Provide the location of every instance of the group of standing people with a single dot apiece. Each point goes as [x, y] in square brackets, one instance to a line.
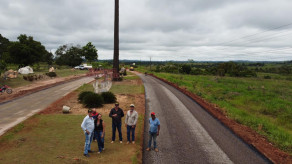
[94, 127]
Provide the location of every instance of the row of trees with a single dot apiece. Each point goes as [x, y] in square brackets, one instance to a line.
[26, 51]
[221, 69]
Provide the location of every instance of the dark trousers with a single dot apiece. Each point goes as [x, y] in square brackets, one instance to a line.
[129, 130]
[152, 135]
[119, 127]
[100, 140]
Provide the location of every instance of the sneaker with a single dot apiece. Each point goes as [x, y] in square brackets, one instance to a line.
[148, 149]
[98, 152]
[89, 151]
[86, 155]
[112, 141]
[103, 148]
[128, 142]
[156, 149]
[121, 141]
[133, 142]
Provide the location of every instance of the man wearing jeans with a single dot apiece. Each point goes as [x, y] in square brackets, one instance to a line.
[88, 127]
[116, 114]
[131, 121]
[153, 131]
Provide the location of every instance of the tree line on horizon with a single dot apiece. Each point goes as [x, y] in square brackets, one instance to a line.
[26, 52]
[232, 69]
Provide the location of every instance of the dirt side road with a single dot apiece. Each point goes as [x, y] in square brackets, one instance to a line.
[17, 110]
[188, 133]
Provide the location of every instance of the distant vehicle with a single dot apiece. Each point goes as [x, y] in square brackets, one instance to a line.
[83, 67]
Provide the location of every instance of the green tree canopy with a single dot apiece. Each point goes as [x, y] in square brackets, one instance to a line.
[27, 51]
[4, 44]
[90, 52]
[69, 55]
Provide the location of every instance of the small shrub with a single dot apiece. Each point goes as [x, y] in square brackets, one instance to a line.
[108, 97]
[289, 78]
[30, 77]
[51, 74]
[93, 100]
[83, 94]
[25, 77]
[267, 77]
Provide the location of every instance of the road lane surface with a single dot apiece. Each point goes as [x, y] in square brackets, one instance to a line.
[188, 133]
[19, 109]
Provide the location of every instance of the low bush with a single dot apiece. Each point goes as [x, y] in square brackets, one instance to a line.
[83, 94]
[267, 77]
[93, 100]
[51, 74]
[108, 97]
[32, 77]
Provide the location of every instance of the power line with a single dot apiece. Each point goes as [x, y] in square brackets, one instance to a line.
[247, 36]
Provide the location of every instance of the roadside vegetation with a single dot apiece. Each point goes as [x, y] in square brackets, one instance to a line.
[57, 138]
[39, 70]
[261, 100]
[26, 51]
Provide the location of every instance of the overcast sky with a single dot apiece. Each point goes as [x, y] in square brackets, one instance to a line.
[202, 30]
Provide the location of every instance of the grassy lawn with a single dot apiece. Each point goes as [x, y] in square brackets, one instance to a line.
[129, 88]
[58, 138]
[130, 76]
[17, 82]
[265, 105]
[69, 72]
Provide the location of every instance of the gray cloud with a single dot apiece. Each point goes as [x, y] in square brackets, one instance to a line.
[163, 30]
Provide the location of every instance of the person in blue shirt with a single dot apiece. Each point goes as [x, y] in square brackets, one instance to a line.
[153, 131]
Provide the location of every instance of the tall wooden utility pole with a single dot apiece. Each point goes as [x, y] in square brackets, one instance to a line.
[116, 38]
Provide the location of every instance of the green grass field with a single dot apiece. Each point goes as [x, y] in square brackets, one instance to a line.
[58, 138]
[265, 105]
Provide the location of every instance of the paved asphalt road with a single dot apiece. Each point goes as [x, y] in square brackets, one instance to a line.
[188, 133]
[15, 111]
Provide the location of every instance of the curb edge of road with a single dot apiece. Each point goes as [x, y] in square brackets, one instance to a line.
[217, 113]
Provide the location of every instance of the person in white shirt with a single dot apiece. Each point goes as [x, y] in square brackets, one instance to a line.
[130, 122]
[88, 127]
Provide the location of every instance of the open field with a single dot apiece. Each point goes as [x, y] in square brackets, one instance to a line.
[53, 137]
[265, 105]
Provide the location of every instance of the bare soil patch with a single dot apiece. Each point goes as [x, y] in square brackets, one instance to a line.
[247, 134]
[37, 86]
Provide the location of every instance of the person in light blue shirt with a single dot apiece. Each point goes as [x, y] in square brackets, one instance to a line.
[88, 127]
[153, 131]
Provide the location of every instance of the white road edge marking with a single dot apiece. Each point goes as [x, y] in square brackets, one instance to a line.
[213, 151]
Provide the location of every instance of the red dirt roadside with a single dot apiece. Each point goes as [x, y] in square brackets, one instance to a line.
[37, 86]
